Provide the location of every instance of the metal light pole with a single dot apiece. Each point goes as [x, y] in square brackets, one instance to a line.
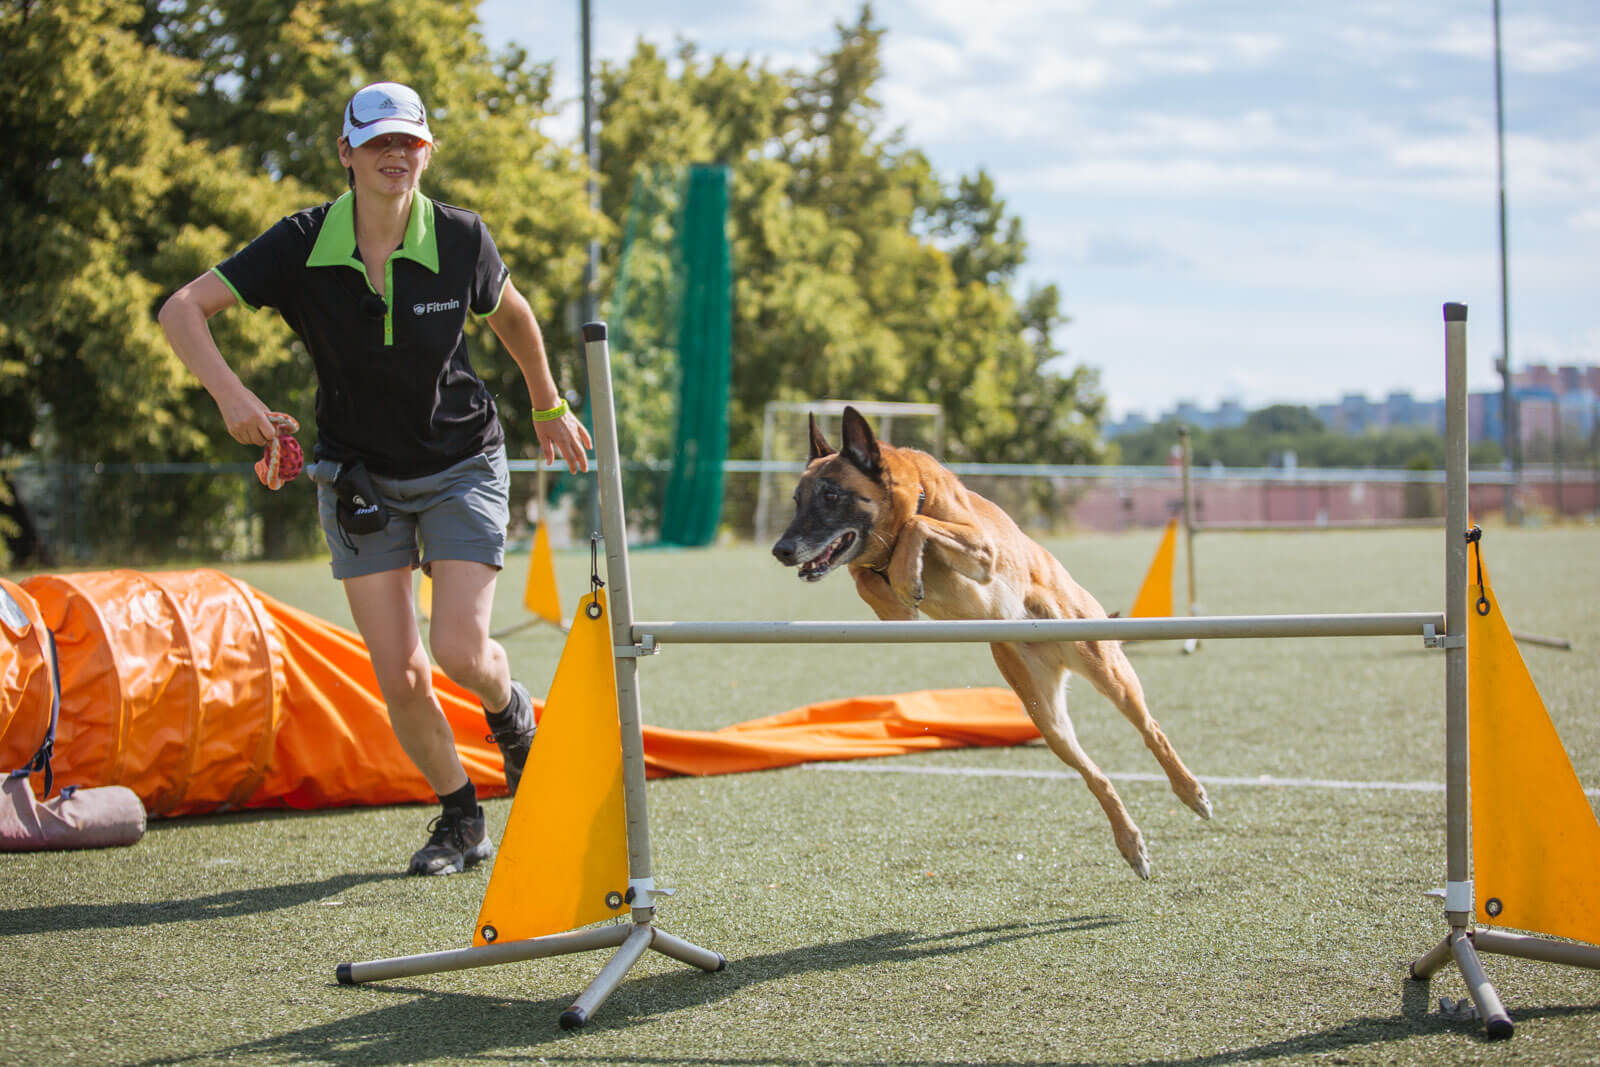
[588, 306]
[591, 156]
[1512, 435]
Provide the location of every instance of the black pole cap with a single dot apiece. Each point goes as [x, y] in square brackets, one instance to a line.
[344, 975]
[1455, 313]
[594, 331]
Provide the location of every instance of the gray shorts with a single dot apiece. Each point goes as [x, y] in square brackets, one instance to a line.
[459, 513]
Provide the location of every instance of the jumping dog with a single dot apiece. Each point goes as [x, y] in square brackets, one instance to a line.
[915, 538]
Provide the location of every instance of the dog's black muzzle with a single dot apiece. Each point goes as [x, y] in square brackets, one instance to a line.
[784, 550]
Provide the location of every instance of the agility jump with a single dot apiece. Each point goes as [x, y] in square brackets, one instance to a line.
[539, 841]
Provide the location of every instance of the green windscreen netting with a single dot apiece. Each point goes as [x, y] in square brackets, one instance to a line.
[671, 324]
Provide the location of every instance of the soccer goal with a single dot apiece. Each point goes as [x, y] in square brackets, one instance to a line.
[786, 442]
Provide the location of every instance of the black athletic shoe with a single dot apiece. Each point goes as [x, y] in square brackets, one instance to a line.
[515, 738]
[455, 842]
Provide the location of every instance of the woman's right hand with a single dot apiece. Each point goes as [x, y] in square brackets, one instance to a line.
[246, 417]
[184, 317]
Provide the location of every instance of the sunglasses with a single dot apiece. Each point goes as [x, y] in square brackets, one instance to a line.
[404, 141]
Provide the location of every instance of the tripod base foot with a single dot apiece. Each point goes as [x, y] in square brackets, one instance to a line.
[631, 941]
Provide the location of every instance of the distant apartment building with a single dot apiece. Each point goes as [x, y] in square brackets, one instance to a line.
[1545, 397]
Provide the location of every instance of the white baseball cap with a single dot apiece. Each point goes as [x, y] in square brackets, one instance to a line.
[385, 107]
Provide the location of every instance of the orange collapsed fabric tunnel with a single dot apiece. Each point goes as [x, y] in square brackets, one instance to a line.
[202, 694]
[852, 728]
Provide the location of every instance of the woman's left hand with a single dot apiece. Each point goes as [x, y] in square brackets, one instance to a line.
[568, 437]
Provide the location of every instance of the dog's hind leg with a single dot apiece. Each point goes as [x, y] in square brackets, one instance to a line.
[1106, 666]
[1041, 683]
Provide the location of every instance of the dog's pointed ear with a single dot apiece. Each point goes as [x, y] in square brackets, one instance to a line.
[859, 445]
[819, 444]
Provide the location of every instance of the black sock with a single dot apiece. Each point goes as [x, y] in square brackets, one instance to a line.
[500, 719]
[463, 801]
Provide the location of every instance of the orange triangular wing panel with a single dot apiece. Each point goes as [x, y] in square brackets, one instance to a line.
[1535, 839]
[563, 860]
[540, 595]
[1155, 596]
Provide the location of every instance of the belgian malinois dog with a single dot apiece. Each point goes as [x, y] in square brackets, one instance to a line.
[916, 539]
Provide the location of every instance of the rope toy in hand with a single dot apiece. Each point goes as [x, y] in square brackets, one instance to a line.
[281, 459]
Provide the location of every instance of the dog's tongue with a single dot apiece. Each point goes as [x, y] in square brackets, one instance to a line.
[822, 562]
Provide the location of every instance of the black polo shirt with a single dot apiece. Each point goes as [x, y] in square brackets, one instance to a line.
[395, 385]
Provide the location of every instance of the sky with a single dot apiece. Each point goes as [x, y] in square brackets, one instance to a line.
[1252, 200]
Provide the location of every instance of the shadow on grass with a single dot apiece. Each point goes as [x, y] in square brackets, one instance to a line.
[1371, 1031]
[249, 816]
[423, 1024]
[55, 918]
[429, 1024]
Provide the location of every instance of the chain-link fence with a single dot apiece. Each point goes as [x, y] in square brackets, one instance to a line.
[136, 514]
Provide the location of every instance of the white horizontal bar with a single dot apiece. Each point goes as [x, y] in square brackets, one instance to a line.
[1392, 624]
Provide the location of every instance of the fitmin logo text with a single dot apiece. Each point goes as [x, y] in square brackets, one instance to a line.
[424, 309]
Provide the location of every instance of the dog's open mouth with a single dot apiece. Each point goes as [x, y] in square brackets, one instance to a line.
[814, 568]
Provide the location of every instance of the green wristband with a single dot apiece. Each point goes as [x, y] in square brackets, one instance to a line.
[553, 414]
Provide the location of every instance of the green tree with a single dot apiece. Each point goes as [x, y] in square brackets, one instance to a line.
[1267, 435]
[1283, 418]
[858, 273]
[106, 207]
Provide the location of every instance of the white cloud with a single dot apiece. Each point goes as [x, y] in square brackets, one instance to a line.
[1261, 199]
[1529, 43]
[1269, 355]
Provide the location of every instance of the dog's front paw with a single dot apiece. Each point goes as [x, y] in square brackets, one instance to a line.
[911, 597]
[907, 586]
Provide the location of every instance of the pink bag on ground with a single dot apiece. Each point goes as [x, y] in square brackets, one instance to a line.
[101, 817]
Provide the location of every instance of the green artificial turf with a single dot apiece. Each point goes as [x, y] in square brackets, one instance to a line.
[883, 911]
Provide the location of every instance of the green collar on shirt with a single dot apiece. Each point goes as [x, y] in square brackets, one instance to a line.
[336, 241]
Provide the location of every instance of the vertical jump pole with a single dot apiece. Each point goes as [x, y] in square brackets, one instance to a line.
[1458, 906]
[614, 529]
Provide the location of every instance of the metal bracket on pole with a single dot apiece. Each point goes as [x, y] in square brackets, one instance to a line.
[646, 647]
[642, 892]
[1431, 638]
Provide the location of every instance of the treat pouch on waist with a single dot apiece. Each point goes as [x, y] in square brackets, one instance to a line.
[361, 509]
